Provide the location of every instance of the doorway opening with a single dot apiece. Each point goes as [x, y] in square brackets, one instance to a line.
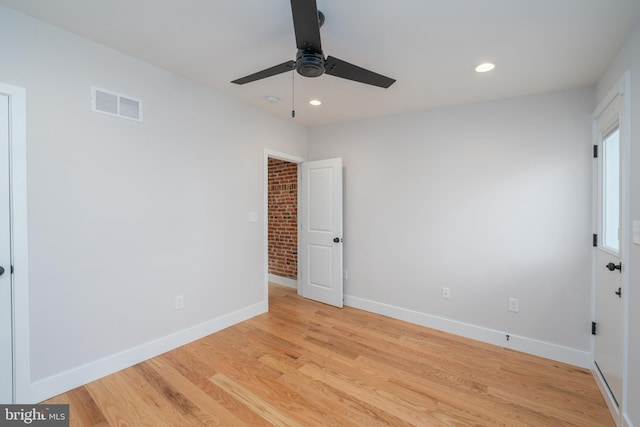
[275, 156]
[282, 222]
[317, 245]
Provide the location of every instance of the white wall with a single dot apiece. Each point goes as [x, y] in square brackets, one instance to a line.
[125, 216]
[491, 200]
[628, 58]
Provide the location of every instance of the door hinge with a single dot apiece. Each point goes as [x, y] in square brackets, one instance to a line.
[595, 151]
[595, 240]
[593, 328]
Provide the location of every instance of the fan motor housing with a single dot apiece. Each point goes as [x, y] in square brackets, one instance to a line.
[309, 64]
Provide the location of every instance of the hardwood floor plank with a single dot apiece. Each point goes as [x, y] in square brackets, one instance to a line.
[190, 397]
[83, 408]
[321, 399]
[192, 363]
[83, 411]
[361, 391]
[308, 364]
[467, 402]
[252, 400]
[122, 404]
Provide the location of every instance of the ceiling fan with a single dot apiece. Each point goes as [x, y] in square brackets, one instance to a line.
[310, 61]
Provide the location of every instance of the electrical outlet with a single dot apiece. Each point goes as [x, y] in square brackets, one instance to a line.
[446, 293]
[179, 302]
[514, 305]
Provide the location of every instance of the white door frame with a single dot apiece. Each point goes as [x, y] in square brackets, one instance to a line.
[19, 249]
[620, 89]
[289, 158]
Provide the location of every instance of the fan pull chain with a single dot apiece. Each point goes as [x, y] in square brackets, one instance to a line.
[293, 95]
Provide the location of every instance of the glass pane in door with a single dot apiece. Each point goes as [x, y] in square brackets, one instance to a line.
[611, 190]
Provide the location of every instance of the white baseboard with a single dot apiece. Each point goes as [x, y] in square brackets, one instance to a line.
[526, 345]
[65, 381]
[284, 281]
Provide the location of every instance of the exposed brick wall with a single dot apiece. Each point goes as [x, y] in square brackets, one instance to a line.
[283, 218]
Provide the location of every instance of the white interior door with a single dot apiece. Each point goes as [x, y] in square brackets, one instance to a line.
[6, 329]
[609, 307]
[320, 248]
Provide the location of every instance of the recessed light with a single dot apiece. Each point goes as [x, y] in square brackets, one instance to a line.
[485, 66]
[315, 102]
[272, 99]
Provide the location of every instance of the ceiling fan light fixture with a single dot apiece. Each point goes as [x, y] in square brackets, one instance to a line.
[315, 102]
[485, 67]
[309, 64]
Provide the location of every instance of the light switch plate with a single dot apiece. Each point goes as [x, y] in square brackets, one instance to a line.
[514, 305]
[253, 216]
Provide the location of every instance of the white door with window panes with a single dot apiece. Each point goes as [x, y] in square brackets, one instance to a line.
[609, 242]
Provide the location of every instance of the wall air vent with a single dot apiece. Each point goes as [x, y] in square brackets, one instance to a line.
[107, 102]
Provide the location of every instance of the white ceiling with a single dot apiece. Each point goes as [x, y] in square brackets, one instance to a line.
[429, 46]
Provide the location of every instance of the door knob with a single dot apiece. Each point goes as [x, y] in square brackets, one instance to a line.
[1, 270]
[611, 266]
[336, 240]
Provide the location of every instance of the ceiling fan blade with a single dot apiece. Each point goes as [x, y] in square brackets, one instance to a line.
[278, 69]
[306, 25]
[339, 68]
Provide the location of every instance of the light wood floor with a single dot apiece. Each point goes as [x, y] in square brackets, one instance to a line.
[308, 364]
